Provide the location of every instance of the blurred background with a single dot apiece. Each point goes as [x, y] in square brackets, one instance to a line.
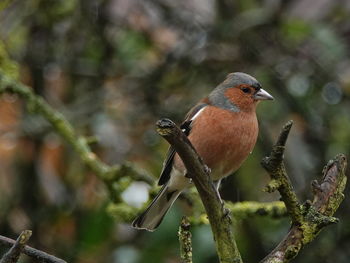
[114, 67]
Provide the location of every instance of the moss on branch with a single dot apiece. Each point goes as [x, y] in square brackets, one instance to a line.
[185, 241]
[280, 181]
[242, 210]
[311, 217]
[247, 209]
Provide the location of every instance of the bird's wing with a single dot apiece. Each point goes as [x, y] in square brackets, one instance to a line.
[186, 128]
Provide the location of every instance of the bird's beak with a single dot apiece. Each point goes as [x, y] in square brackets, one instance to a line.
[262, 95]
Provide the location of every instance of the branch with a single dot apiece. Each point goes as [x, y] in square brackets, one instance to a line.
[241, 210]
[248, 209]
[280, 181]
[80, 144]
[185, 241]
[219, 218]
[12, 256]
[29, 251]
[309, 219]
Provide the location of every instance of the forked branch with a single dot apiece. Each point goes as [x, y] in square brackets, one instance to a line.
[311, 217]
[20, 247]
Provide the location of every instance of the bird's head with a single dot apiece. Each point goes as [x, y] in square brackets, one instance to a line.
[239, 92]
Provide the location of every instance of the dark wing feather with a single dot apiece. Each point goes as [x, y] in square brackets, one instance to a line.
[167, 166]
[186, 128]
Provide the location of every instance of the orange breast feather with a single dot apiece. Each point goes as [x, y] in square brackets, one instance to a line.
[223, 139]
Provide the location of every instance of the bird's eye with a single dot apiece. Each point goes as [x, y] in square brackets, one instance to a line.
[246, 90]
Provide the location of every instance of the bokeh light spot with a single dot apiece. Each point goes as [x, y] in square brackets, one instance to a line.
[136, 194]
[298, 85]
[332, 93]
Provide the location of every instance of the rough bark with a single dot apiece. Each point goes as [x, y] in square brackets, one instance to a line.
[311, 217]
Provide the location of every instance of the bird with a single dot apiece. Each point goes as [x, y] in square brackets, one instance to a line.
[223, 128]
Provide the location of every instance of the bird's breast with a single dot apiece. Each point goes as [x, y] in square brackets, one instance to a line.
[224, 139]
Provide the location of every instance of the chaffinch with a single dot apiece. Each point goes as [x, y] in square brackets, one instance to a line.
[223, 128]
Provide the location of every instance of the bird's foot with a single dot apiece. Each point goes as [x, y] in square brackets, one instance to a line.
[227, 214]
[207, 169]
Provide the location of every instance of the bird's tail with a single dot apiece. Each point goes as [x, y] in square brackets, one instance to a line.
[151, 218]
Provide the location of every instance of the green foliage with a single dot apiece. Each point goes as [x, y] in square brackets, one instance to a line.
[122, 212]
[132, 48]
[94, 227]
[295, 31]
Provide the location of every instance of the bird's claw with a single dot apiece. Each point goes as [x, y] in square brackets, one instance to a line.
[227, 214]
[207, 170]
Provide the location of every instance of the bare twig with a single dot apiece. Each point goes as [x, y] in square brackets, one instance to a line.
[15, 251]
[185, 241]
[32, 252]
[219, 217]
